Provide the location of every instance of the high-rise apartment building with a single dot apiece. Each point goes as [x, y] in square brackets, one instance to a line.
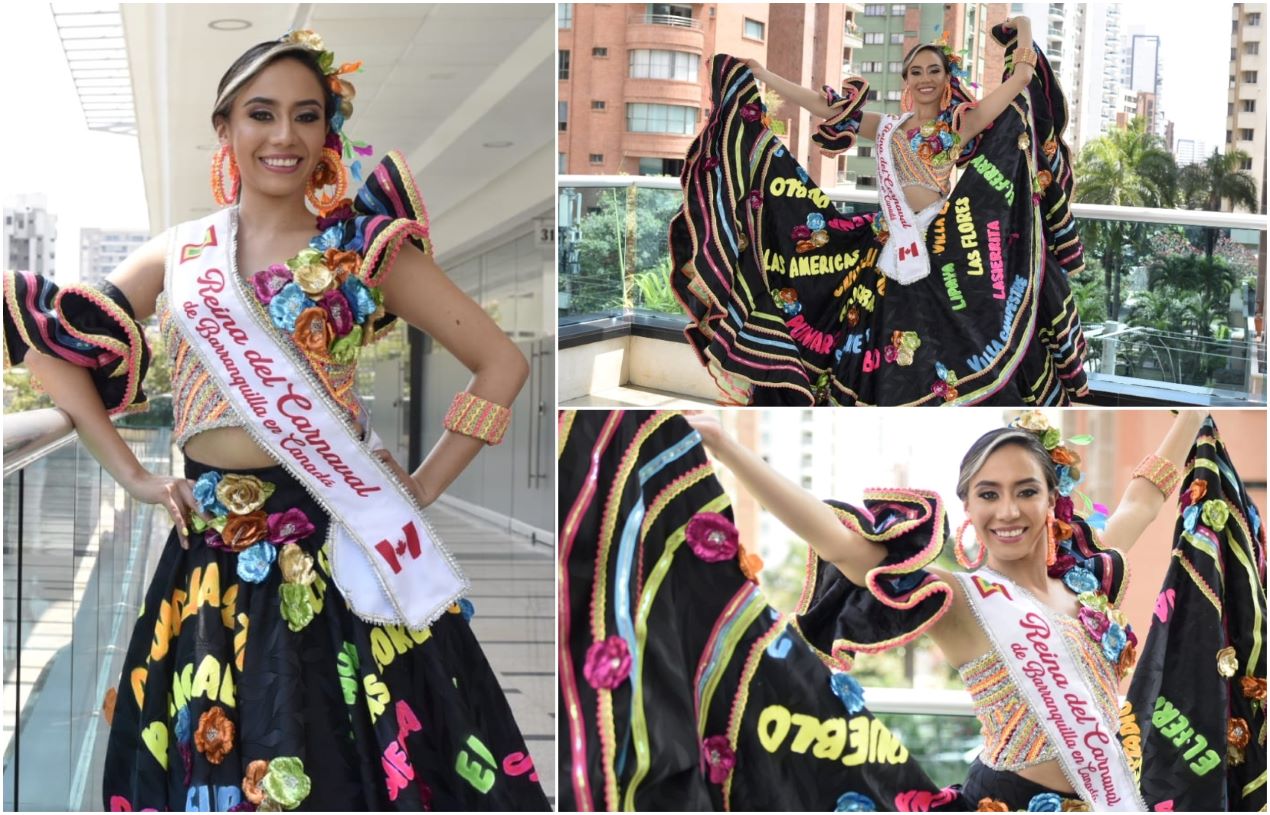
[1142, 70]
[1246, 98]
[30, 235]
[1100, 93]
[101, 250]
[1059, 29]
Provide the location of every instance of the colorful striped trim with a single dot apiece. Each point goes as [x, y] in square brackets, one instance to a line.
[481, 419]
[742, 698]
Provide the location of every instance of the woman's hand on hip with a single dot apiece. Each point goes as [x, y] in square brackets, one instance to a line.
[407, 480]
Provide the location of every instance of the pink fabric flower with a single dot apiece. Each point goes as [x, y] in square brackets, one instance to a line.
[1063, 508]
[1095, 622]
[336, 305]
[756, 199]
[751, 112]
[269, 282]
[290, 526]
[890, 353]
[940, 388]
[712, 537]
[608, 663]
[1062, 564]
[710, 163]
[801, 232]
[213, 540]
[719, 758]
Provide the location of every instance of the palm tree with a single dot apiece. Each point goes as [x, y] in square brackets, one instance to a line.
[1204, 186]
[1128, 168]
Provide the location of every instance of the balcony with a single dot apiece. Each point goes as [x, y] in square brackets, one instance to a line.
[620, 324]
[852, 35]
[665, 31]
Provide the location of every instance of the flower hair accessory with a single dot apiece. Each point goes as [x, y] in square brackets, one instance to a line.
[342, 89]
[1067, 463]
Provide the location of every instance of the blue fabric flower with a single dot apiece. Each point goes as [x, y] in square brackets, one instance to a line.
[1045, 802]
[802, 175]
[359, 297]
[337, 122]
[1113, 641]
[1065, 481]
[792, 309]
[332, 238]
[286, 306]
[1080, 580]
[815, 221]
[1189, 517]
[849, 691]
[855, 802]
[182, 728]
[254, 562]
[205, 493]
[466, 608]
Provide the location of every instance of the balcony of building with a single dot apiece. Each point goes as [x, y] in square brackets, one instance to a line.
[852, 34]
[621, 340]
[647, 29]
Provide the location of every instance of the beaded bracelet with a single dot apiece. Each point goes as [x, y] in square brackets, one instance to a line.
[476, 417]
[1161, 472]
[1025, 56]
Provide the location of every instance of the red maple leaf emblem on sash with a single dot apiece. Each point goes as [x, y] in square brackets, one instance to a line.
[408, 544]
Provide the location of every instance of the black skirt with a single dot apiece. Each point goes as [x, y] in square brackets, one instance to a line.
[244, 687]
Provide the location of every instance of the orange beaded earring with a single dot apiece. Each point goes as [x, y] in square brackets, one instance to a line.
[218, 177]
[906, 99]
[329, 170]
[946, 99]
[959, 550]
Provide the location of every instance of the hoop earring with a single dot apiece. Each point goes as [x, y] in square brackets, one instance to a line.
[906, 99]
[946, 99]
[1051, 545]
[218, 176]
[959, 550]
[329, 170]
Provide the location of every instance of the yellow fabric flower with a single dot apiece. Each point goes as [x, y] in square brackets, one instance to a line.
[243, 494]
[307, 38]
[315, 278]
[1033, 420]
[297, 567]
[1227, 662]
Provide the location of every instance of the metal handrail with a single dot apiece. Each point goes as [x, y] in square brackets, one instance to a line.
[664, 19]
[1093, 212]
[33, 434]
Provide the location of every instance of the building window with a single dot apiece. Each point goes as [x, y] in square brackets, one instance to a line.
[1249, 105]
[753, 29]
[1230, 108]
[564, 15]
[1250, 77]
[874, 37]
[1253, 18]
[669, 14]
[897, 9]
[1245, 134]
[679, 120]
[895, 67]
[562, 115]
[661, 166]
[1252, 48]
[875, 10]
[1245, 164]
[595, 158]
[1228, 139]
[562, 163]
[677, 65]
[897, 38]
[864, 152]
[598, 104]
[600, 53]
[564, 65]
[871, 96]
[866, 181]
[893, 96]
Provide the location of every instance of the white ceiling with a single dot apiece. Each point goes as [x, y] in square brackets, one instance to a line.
[439, 80]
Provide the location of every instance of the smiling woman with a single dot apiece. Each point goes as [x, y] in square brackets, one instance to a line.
[305, 640]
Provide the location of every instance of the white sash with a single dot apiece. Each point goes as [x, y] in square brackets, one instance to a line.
[904, 258]
[1030, 643]
[385, 558]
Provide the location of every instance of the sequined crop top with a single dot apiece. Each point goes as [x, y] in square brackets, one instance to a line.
[912, 171]
[1013, 738]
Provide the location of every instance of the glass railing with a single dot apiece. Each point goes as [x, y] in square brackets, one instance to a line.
[76, 556]
[1168, 297]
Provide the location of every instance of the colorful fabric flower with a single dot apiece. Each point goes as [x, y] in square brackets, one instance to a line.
[712, 537]
[314, 332]
[1064, 455]
[750, 112]
[331, 223]
[1113, 642]
[855, 802]
[182, 727]
[242, 531]
[297, 609]
[289, 526]
[1033, 420]
[243, 493]
[719, 758]
[108, 705]
[710, 162]
[992, 805]
[1215, 514]
[1227, 662]
[1253, 687]
[1064, 509]
[286, 305]
[815, 221]
[213, 540]
[343, 264]
[751, 565]
[847, 689]
[359, 299]
[297, 567]
[467, 609]
[1075, 805]
[269, 282]
[1190, 516]
[1237, 733]
[1195, 492]
[801, 232]
[214, 737]
[344, 350]
[286, 782]
[1095, 600]
[1128, 656]
[1061, 564]
[311, 273]
[340, 311]
[608, 663]
[890, 352]
[254, 562]
[205, 493]
[1080, 579]
[1045, 802]
[255, 773]
[756, 199]
[1051, 438]
[1095, 622]
[1067, 480]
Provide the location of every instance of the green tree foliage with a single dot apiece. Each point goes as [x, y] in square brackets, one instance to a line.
[1206, 186]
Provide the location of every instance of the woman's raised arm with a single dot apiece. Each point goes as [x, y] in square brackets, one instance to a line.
[811, 100]
[977, 119]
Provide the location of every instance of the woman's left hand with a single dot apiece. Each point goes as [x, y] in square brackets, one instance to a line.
[407, 480]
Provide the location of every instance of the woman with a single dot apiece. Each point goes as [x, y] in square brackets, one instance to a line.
[948, 296]
[303, 643]
[677, 647]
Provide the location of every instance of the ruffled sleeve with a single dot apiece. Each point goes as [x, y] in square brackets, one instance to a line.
[93, 328]
[838, 133]
[959, 110]
[387, 213]
[1106, 564]
[901, 599]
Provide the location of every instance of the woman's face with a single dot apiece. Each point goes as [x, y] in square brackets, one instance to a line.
[1009, 504]
[276, 129]
[926, 77]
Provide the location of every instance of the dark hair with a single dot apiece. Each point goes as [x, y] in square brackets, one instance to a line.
[237, 75]
[993, 440]
[911, 55]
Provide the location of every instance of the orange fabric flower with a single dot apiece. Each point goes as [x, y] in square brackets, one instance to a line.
[251, 781]
[1237, 734]
[1197, 490]
[1063, 456]
[342, 263]
[1043, 178]
[1050, 147]
[992, 805]
[314, 332]
[108, 706]
[1128, 656]
[242, 531]
[1253, 687]
[1062, 530]
[751, 565]
[215, 735]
